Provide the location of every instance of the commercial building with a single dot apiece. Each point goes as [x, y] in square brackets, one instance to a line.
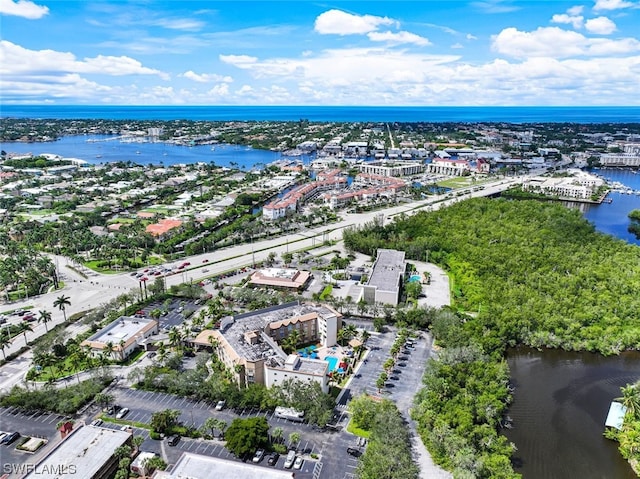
[280, 278]
[629, 156]
[441, 166]
[121, 337]
[248, 343]
[384, 168]
[88, 452]
[196, 466]
[579, 186]
[386, 278]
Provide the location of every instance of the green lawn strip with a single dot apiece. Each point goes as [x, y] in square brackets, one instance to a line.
[353, 429]
[124, 422]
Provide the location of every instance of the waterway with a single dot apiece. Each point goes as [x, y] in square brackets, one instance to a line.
[560, 404]
[562, 398]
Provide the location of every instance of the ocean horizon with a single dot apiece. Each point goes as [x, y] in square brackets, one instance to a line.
[400, 114]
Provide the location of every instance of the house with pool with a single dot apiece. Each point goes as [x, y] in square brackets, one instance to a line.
[249, 344]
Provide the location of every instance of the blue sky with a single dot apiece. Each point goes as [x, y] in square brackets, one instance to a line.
[414, 53]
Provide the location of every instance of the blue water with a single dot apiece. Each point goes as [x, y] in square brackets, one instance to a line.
[333, 363]
[415, 278]
[146, 153]
[513, 114]
[612, 218]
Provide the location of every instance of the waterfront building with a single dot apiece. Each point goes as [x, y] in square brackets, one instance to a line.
[579, 186]
[630, 156]
[88, 452]
[122, 337]
[289, 203]
[384, 168]
[248, 343]
[385, 282]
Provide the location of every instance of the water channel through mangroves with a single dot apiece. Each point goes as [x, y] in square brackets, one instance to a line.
[561, 400]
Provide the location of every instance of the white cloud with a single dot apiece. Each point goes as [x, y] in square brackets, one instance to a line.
[338, 22]
[575, 21]
[600, 26]
[180, 23]
[221, 89]
[457, 46]
[471, 37]
[613, 4]
[398, 38]
[575, 11]
[241, 61]
[207, 77]
[23, 8]
[16, 60]
[495, 6]
[554, 42]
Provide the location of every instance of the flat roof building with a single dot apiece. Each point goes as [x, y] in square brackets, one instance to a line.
[386, 278]
[196, 466]
[88, 452]
[123, 336]
[280, 278]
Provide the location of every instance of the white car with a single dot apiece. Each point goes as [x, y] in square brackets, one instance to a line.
[220, 405]
[122, 413]
[299, 462]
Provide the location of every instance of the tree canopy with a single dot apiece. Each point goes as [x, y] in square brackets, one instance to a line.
[244, 436]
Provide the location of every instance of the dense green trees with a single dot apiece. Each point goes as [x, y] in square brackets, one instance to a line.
[388, 455]
[244, 436]
[521, 272]
[537, 273]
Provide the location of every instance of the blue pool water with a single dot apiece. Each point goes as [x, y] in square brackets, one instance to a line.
[415, 278]
[333, 362]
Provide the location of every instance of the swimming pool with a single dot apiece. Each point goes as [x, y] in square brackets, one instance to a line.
[415, 278]
[333, 363]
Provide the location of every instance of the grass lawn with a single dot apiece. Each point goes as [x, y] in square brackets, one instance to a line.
[353, 429]
[457, 182]
[124, 221]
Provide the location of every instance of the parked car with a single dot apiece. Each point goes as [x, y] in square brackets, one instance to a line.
[299, 462]
[257, 457]
[273, 458]
[291, 457]
[97, 422]
[354, 451]
[122, 413]
[220, 405]
[9, 438]
[173, 440]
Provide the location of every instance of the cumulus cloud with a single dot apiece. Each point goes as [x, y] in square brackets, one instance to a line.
[207, 77]
[554, 42]
[600, 26]
[23, 8]
[238, 60]
[575, 20]
[16, 60]
[338, 22]
[613, 4]
[398, 38]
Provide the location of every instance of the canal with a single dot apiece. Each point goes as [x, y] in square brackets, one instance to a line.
[561, 400]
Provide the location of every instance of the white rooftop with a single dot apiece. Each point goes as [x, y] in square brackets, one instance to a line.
[195, 466]
[81, 454]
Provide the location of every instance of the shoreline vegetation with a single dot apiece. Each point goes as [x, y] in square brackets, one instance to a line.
[532, 273]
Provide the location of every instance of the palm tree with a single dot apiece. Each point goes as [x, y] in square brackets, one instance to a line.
[630, 399]
[277, 434]
[23, 328]
[364, 335]
[108, 350]
[294, 438]
[5, 341]
[61, 303]
[45, 317]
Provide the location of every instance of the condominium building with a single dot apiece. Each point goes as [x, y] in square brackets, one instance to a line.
[121, 337]
[248, 343]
